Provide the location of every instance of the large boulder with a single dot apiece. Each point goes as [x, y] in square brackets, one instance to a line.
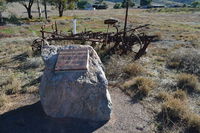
[75, 93]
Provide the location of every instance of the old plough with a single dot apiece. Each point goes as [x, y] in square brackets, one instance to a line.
[119, 42]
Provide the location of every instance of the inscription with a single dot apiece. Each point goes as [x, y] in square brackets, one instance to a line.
[72, 59]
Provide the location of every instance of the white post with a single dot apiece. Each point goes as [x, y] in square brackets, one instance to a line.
[74, 26]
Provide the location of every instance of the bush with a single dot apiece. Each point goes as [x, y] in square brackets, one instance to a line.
[14, 20]
[114, 67]
[117, 5]
[188, 82]
[133, 69]
[185, 60]
[196, 4]
[145, 2]
[82, 4]
[2, 100]
[193, 121]
[180, 94]
[32, 63]
[131, 3]
[101, 6]
[139, 86]
[12, 85]
[174, 110]
[177, 111]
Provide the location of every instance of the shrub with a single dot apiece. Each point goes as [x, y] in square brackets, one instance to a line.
[193, 121]
[173, 111]
[196, 4]
[133, 69]
[2, 100]
[12, 85]
[131, 3]
[139, 86]
[14, 20]
[185, 60]
[188, 82]
[114, 67]
[32, 63]
[180, 94]
[163, 96]
[117, 5]
[82, 4]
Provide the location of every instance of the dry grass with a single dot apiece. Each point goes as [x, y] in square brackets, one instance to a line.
[133, 69]
[11, 86]
[178, 94]
[139, 86]
[175, 110]
[185, 60]
[32, 63]
[2, 100]
[193, 121]
[114, 67]
[188, 82]
[163, 96]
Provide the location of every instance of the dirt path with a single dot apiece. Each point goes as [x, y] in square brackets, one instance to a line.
[128, 117]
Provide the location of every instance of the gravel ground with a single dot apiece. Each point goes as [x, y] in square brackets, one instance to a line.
[128, 117]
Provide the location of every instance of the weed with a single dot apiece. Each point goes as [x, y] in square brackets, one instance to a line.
[193, 121]
[139, 87]
[12, 85]
[2, 100]
[175, 110]
[188, 82]
[180, 94]
[133, 69]
[163, 96]
[32, 63]
[185, 60]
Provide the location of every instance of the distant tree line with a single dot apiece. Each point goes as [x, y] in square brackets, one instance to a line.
[61, 5]
[196, 4]
[131, 3]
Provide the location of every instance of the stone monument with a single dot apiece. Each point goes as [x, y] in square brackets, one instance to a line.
[74, 84]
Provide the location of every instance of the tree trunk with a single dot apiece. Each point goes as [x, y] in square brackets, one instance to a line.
[60, 13]
[28, 8]
[45, 9]
[1, 18]
[61, 9]
[39, 9]
[29, 13]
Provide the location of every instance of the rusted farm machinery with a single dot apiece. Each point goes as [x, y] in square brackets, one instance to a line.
[119, 42]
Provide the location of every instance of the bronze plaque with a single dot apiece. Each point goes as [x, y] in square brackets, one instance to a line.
[72, 59]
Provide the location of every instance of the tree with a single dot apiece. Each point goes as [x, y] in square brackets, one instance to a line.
[196, 4]
[45, 8]
[131, 3]
[117, 5]
[27, 4]
[145, 2]
[2, 8]
[39, 9]
[61, 5]
[82, 4]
